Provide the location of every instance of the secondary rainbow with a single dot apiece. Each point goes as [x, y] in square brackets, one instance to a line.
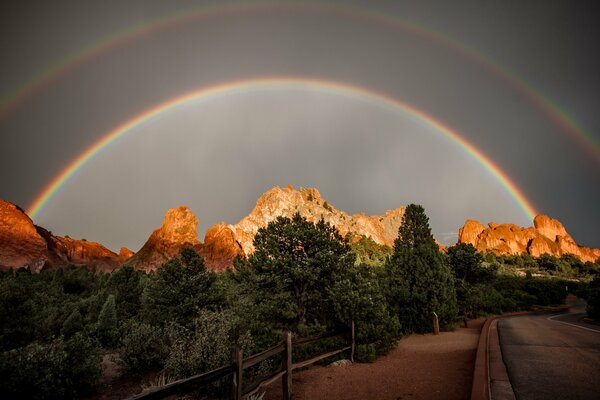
[551, 109]
[280, 82]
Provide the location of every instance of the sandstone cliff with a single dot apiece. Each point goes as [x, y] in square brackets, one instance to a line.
[223, 243]
[308, 202]
[178, 230]
[23, 244]
[546, 236]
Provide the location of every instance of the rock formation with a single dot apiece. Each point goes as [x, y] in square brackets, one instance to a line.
[23, 244]
[223, 243]
[309, 203]
[220, 248]
[178, 230]
[546, 236]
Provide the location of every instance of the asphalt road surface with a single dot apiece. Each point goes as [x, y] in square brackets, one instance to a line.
[552, 356]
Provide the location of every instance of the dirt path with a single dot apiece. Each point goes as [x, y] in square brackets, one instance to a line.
[420, 367]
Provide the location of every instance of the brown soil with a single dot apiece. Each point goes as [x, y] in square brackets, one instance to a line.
[420, 367]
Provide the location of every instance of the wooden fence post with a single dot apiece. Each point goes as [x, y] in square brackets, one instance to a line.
[436, 325]
[353, 341]
[236, 387]
[287, 365]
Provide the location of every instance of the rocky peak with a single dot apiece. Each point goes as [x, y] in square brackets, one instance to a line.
[470, 231]
[550, 227]
[21, 244]
[179, 229]
[179, 226]
[311, 205]
[546, 236]
[220, 248]
[125, 254]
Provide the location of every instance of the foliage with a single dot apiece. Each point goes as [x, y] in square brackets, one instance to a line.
[466, 263]
[420, 282]
[593, 299]
[50, 371]
[370, 253]
[207, 346]
[127, 284]
[178, 290]
[294, 263]
[143, 347]
[107, 329]
[360, 297]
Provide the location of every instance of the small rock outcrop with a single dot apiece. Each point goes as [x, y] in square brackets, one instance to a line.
[547, 235]
[179, 229]
[20, 243]
[220, 248]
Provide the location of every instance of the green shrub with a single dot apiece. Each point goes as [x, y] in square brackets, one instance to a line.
[207, 347]
[143, 347]
[50, 371]
[107, 329]
[366, 353]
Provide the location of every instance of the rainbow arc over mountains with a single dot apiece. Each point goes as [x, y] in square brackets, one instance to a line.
[235, 87]
[46, 76]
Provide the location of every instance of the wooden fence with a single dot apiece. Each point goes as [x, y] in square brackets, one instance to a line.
[238, 364]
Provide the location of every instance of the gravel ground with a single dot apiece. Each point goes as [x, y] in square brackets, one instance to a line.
[420, 367]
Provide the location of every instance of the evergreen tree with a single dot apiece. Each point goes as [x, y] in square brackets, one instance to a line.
[107, 329]
[72, 325]
[127, 284]
[420, 281]
[178, 291]
[465, 261]
[294, 265]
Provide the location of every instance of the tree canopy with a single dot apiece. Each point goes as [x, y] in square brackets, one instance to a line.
[421, 282]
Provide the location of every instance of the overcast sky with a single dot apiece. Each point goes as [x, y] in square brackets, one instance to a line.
[217, 155]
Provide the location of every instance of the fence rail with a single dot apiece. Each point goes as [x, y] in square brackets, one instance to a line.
[239, 364]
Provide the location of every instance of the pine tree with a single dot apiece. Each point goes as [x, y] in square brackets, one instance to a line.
[178, 291]
[107, 329]
[420, 281]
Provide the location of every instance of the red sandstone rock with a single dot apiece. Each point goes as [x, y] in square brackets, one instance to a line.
[309, 203]
[179, 230]
[20, 243]
[220, 248]
[125, 254]
[470, 232]
[547, 236]
[23, 244]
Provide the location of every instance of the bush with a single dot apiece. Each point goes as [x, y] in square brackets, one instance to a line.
[178, 290]
[107, 323]
[50, 371]
[207, 347]
[593, 299]
[143, 347]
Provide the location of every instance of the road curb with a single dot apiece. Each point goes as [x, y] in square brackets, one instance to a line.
[481, 374]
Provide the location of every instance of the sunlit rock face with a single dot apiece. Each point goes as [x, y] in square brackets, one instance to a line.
[125, 254]
[220, 248]
[309, 203]
[546, 236]
[223, 243]
[20, 243]
[25, 245]
[178, 230]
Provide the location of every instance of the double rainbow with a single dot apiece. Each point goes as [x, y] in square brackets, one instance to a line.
[551, 109]
[231, 88]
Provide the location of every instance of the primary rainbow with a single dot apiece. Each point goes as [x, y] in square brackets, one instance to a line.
[280, 82]
[551, 109]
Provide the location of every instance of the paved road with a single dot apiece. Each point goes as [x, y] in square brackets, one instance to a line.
[552, 356]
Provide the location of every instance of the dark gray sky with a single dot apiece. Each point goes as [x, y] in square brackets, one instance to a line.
[218, 155]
